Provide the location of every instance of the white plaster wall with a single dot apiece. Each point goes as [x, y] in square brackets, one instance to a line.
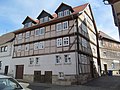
[6, 57]
[46, 63]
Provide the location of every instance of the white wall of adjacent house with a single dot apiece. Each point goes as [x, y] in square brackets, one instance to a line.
[53, 62]
[5, 57]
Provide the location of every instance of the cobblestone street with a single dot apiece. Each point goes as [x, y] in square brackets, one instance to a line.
[102, 83]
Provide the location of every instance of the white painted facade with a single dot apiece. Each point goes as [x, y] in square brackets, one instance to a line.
[46, 63]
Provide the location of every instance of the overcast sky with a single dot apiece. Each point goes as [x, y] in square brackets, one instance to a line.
[13, 13]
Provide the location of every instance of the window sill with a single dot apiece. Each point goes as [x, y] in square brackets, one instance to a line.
[58, 63]
[67, 63]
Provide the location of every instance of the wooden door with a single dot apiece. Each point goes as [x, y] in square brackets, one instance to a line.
[37, 76]
[48, 76]
[19, 71]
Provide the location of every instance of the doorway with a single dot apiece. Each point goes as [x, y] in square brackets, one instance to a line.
[6, 70]
[19, 71]
[105, 68]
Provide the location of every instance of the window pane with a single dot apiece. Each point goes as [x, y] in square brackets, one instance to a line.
[65, 41]
[65, 25]
[59, 42]
[46, 19]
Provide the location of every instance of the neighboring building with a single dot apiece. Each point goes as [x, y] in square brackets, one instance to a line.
[61, 48]
[109, 53]
[115, 4]
[6, 49]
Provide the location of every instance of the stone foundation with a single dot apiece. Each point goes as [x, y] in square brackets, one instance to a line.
[68, 79]
[28, 78]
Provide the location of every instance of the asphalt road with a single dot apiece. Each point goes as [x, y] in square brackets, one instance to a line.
[102, 83]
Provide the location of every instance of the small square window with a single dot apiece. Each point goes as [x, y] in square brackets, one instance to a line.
[31, 61]
[37, 60]
[20, 36]
[41, 20]
[61, 75]
[58, 59]
[27, 34]
[46, 19]
[36, 46]
[66, 12]
[65, 25]
[67, 59]
[42, 31]
[37, 32]
[59, 42]
[41, 45]
[27, 47]
[60, 14]
[65, 41]
[59, 27]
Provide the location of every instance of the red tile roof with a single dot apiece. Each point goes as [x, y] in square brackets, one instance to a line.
[76, 10]
[79, 8]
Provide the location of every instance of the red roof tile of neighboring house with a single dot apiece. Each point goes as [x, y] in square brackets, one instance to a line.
[79, 8]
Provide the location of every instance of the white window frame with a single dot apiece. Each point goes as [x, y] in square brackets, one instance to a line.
[37, 32]
[59, 42]
[27, 34]
[19, 48]
[67, 59]
[59, 27]
[41, 45]
[58, 59]
[42, 31]
[31, 61]
[65, 39]
[60, 14]
[41, 20]
[37, 61]
[27, 47]
[65, 25]
[36, 46]
[20, 36]
[61, 75]
[84, 28]
[66, 12]
[46, 19]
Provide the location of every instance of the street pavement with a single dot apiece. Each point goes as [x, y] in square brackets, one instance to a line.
[101, 83]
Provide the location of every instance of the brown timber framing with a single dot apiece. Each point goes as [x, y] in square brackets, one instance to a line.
[97, 36]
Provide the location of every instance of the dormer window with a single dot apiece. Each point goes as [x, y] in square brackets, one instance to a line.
[41, 20]
[28, 22]
[60, 14]
[44, 16]
[46, 19]
[66, 12]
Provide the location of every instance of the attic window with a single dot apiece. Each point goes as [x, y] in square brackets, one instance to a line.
[60, 14]
[28, 24]
[46, 19]
[66, 12]
[41, 20]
